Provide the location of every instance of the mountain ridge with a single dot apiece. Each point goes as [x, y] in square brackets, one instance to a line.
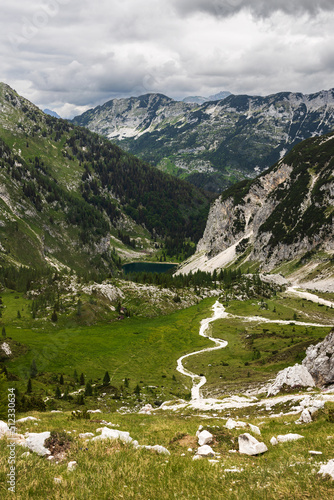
[216, 143]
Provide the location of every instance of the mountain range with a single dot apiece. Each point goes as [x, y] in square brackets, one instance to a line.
[212, 144]
[71, 198]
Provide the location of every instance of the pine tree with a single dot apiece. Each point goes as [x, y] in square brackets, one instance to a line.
[82, 379]
[106, 379]
[88, 390]
[75, 376]
[61, 379]
[58, 392]
[29, 387]
[137, 390]
[33, 369]
[54, 317]
[18, 315]
[4, 332]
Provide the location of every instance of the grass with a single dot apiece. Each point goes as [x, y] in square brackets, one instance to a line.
[110, 470]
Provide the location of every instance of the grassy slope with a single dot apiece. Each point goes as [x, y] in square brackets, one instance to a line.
[109, 470]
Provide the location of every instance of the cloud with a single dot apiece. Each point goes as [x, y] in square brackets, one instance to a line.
[259, 8]
[68, 55]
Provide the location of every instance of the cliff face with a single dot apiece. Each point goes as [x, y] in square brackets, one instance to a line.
[280, 216]
[213, 143]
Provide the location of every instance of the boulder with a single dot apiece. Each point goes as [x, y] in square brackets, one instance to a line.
[248, 445]
[107, 433]
[204, 437]
[205, 451]
[255, 429]
[146, 410]
[27, 419]
[35, 442]
[319, 361]
[273, 441]
[305, 417]
[327, 469]
[288, 437]
[293, 376]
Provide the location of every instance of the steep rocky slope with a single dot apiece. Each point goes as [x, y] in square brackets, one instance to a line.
[282, 215]
[213, 143]
[64, 192]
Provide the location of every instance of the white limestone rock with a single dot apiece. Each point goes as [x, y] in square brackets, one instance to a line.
[293, 376]
[305, 417]
[94, 411]
[86, 435]
[71, 466]
[255, 429]
[114, 434]
[327, 469]
[27, 419]
[159, 449]
[248, 445]
[205, 451]
[4, 429]
[35, 442]
[288, 437]
[273, 441]
[319, 361]
[205, 437]
[146, 410]
[232, 424]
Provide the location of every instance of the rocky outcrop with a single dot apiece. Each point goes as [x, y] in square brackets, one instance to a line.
[280, 216]
[319, 361]
[293, 376]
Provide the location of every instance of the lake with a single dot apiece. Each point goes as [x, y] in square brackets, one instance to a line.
[148, 267]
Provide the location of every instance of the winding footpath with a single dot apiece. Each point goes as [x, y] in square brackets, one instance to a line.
[197, 400]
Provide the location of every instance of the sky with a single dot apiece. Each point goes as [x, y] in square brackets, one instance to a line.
[72, 55]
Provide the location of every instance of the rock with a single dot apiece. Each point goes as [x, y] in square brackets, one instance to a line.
[273, 441]
[4, 429]
[232, 424]
[159, 449]
[72, 465]
[199, 430]
[312, 452]
[27, 419]
[25, 454]
[35, 442]
[107, 433]
[205, 451]
[86, 435]
[146, 410]
[305, 417]
[204, 437]
[94, 411]
[248, 445]
[255, 429]
[190, 450]
[197, 457]
[293, 376]
[327, 469]
[319, 361]
[288, 437]
[233, 469]
[57, 480]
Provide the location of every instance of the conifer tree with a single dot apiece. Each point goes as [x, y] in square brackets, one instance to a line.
[29, 387]
[88, 390]
[106, 379]
[33, 369]
[4, 332]
[82, 379]
[61, 379]
[58, 392]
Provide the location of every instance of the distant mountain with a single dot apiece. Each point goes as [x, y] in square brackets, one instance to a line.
[66, 193]
[215, 143]
[285, 215]
[202, 100]
[51, 113]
